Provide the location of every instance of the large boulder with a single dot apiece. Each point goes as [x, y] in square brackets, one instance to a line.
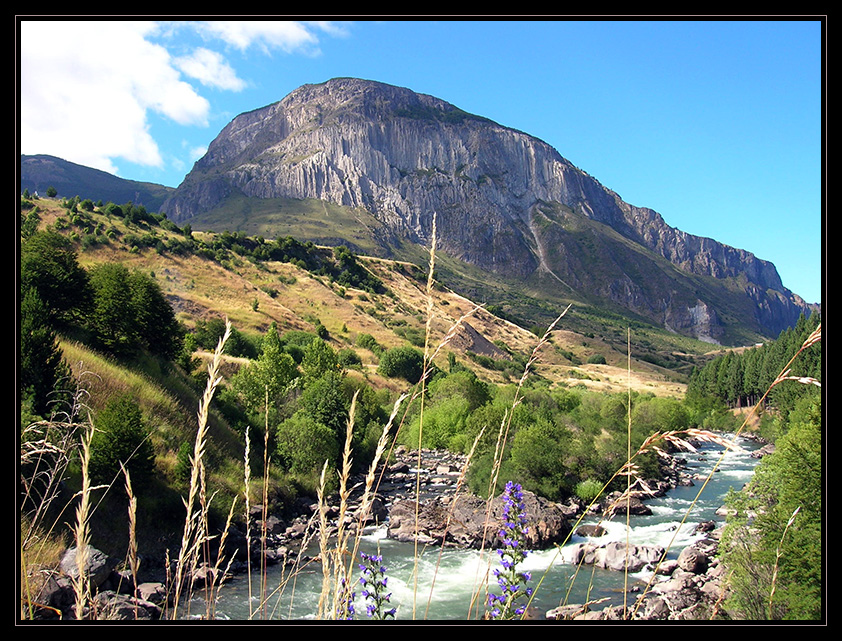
[469, 521]
[616, 555]
[692, 559]
[96, 566]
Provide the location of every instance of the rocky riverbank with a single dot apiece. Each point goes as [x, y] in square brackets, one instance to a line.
[687, 588]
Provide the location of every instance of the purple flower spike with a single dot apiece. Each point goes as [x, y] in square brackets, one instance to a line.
[509, 604]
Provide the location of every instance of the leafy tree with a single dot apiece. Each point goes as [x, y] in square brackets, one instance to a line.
[121, 437]
[656, 414]
[158, 329]
[111, 320]
[463, 383]
[319, 359]
[538, 457]
[324, 399]
[41, 363]
[48, 264]
[208, 332]
[444, 425]
[270, 378]
[129, 311]
[304, 444]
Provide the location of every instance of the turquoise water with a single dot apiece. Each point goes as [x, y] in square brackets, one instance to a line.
[447, 580]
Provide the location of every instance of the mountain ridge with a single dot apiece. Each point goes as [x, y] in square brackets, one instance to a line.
[505, 202]
[401, 156]
[39, 172]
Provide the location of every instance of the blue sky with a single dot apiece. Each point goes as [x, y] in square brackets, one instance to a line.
[717, 125]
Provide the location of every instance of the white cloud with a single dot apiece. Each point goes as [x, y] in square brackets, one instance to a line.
[86, 88]
[211, 69]
[267, 35]
[197, 152]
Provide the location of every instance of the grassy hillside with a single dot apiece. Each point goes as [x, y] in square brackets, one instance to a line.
[253, 294]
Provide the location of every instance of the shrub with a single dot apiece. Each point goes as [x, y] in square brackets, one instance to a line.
[348, 358]
[402, 362]
[588, 490]
[304, 444]
[367, 341]
[121, 438]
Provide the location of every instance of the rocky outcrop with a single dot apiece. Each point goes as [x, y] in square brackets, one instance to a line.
[505, 201]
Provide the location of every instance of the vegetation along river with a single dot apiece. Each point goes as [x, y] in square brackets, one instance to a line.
[452, 576]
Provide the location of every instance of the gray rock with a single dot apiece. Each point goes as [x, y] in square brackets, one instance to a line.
[97, 567]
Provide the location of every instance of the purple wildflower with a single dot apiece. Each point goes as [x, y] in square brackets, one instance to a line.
[511, 582]
[374, 581]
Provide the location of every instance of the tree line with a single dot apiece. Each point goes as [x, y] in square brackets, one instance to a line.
[741, 379]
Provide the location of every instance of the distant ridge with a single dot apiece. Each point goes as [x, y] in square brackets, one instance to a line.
[40, 172]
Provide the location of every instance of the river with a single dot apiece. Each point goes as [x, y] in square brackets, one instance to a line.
[447, 579]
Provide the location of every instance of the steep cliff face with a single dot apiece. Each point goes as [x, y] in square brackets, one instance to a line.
[504, 201]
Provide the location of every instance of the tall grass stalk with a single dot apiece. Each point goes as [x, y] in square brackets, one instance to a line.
[194, 535]
[133, 560]
[422, 385]
[341, 572]
[46, 450]
[265, 505]
[324, 552]
[449, 519]
[370, 485]
[778, 555]
[247, 499]
[81, 530]
[628, 478]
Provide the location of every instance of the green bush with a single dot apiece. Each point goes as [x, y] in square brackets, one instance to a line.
[444, 425]
[588, 490]
[348, 358]
[121, 437]
[304, 444]
[402, 362]
[367, 341]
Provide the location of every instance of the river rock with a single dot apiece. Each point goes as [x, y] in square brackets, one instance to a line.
[468, 521]
[110, 606]
[693, 560]
[614, 556]
[591, 531]
[97, 566]
[618, 505]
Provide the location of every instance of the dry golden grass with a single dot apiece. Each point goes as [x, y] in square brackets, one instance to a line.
[199, 289]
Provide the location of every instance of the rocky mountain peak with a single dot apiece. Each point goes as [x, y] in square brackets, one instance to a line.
[505, 201]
